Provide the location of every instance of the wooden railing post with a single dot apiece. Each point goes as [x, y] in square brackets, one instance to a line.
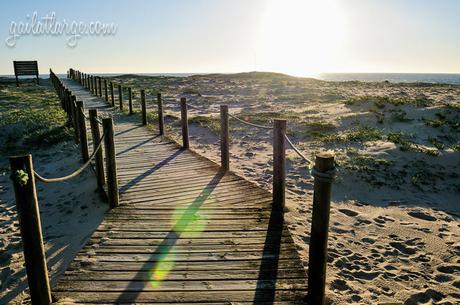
[100, 85]
[66, 105]
[120, 96]
[130, 100]
[106, 91]
[73, 106]
[184, 122]
[95, 85]
[161, 121]
[111, 165]
[31, 230]
[82, 131]
[279, 164]
[111, 94]
[317, 259]
[224, 138]
[99, 159]
[144, 108]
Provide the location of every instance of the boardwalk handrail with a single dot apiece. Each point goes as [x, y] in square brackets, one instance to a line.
[76, 172]
[323, 171]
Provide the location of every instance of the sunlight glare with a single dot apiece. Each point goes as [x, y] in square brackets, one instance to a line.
[300, 37]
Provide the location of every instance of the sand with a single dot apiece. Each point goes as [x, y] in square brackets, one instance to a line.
[394, 230]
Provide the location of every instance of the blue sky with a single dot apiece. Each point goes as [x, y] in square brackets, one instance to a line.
[299, 37]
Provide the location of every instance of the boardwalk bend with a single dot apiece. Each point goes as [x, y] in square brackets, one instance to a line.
[185, 230]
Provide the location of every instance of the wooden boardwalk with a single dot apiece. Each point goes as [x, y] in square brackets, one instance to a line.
[184, 233]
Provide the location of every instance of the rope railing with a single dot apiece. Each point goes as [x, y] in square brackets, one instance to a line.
[249, 123]
[75, 173]
[297, 150]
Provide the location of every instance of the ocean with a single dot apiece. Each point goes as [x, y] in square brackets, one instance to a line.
[434, 78]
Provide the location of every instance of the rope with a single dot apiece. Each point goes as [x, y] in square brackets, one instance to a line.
[248, 123]
[327, 176]
[75, 173]
[196, 108]
[297, 150]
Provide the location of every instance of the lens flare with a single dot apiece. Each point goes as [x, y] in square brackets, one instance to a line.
[186, 222]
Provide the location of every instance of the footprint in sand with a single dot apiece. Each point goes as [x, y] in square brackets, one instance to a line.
[449, 269]
[403, 248]
[348, 212]
[424, 297]
[421, 215]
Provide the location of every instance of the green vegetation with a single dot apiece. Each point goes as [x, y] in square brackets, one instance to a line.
[209, 122]
[373, 169]
[381, 101]
[362, 133]
[399, 115]
[30, 116]
[455, 147]
[358, 133]
[402, 139]
[436, 143]
[443, 119]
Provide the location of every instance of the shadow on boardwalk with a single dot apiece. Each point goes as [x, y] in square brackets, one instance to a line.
[164, 249]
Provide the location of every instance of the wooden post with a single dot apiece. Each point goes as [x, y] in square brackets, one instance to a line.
[73, 106]
[317, 259]
[106, 91]
[224, 138]
[120, 96]
[82, 131]
[111, 165]
[66, 103]
[100, 85]
[161, 121]
[279, 164]
[99, 159]
[31, 230]
[94, 85]
[111, 94]
[130, 100]
[144, 108]
[184, 122]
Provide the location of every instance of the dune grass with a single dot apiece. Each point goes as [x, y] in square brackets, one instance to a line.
[30, 116]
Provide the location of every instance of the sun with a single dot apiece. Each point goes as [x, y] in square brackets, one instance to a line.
[300, 37]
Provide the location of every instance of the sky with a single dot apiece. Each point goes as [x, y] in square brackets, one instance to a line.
[297, 37]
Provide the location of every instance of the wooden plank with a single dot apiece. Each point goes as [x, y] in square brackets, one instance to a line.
[185, 296]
